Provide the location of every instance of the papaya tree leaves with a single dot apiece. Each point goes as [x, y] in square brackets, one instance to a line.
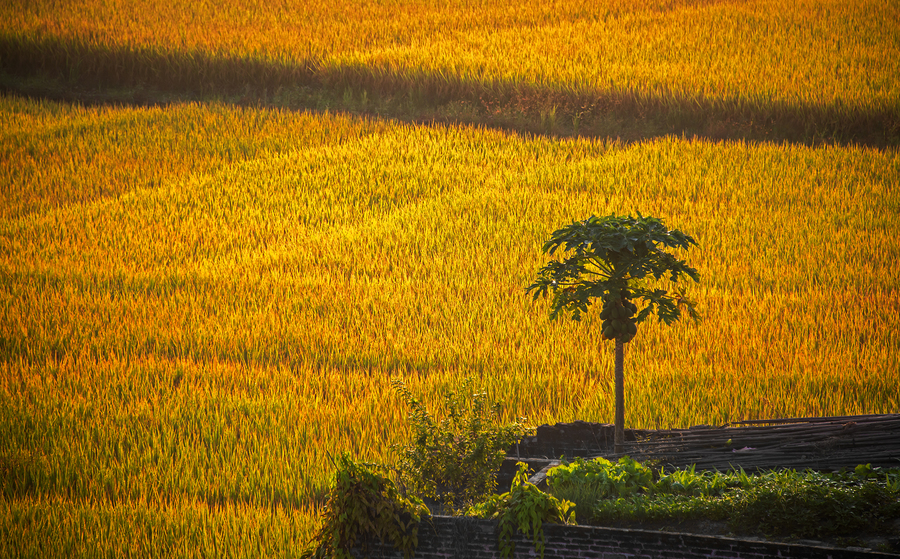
[612, 258]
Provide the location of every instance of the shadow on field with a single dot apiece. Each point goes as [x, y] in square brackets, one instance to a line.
[76, 71]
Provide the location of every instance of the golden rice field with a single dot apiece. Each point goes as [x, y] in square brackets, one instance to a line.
[813, 69]
[202, 303]
[812, 51]
[181, 354]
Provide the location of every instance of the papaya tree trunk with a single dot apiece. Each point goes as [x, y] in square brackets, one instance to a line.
[620, 397]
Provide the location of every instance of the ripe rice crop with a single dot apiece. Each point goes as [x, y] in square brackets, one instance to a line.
[202, 304]
[106, 152]
[817, 69]
[188, 334]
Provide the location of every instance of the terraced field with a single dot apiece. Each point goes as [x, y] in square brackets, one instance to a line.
[203, 299]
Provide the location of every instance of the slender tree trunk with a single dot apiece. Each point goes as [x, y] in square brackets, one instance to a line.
[620, 397]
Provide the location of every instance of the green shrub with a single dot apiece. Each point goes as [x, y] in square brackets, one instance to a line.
[625, 477]
[363, 504]
[455, 460]
[689, 482]
[585, 482]
[778, 503]
[813, 505]
[526, 508]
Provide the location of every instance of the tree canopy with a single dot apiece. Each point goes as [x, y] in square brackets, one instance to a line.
[608, 257]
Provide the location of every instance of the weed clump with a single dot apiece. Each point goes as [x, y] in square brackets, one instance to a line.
[526, 508]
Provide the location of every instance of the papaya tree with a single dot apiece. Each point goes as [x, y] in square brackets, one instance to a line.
[615, 259]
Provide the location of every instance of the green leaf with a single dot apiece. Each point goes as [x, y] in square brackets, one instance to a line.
[605, 256]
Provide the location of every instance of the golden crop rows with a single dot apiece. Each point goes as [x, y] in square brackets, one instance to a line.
[199, 332]
[815, 53]
[201, 304]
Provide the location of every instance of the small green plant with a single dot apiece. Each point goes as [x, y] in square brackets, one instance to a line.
[526, 508]
[625, 477]
[364, 503]
[585, 482]
[689, 482]
[891, 476]
[455, 460]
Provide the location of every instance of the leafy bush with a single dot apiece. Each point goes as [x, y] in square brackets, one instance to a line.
[811, 504]
[524, 507]
[364, 503]
[622, 478]
[703, 484]
[455, 460]
[778, 503]
[585, 482]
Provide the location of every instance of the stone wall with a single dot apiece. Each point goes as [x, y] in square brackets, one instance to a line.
[445, 537]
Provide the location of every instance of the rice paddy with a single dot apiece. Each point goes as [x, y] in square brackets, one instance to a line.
[202, 302]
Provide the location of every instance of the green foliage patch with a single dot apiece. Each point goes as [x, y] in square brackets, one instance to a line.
[455, 459]
[614, 257]
[783, 503]
[584, 482]
[365, 503]
[526, 508]
[813, 504]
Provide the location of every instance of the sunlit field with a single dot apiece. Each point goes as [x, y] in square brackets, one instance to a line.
[202, 303]
[808, 52]
[199, 341]
[811, 70]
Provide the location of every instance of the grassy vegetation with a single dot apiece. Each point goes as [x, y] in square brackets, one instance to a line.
[818, 71]
[57, 154]
[209, 336]
[199, 302]
[59, 527]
